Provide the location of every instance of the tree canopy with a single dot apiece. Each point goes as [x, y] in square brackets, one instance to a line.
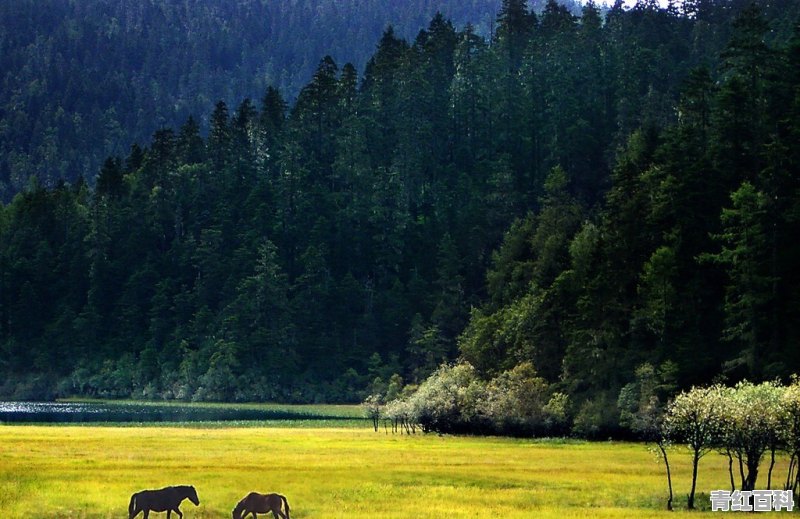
[556, 204]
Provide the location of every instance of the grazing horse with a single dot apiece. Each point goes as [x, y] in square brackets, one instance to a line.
[164, 500]
[254, 503]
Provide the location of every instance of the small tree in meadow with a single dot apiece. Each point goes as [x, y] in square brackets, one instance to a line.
[756, 411]
[695, 418]
[642, 411]
[400, 411]
[728, 440]
[751, 421]
[396, 412]
[373, 407]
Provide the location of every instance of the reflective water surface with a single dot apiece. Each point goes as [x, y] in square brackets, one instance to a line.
[73, 412]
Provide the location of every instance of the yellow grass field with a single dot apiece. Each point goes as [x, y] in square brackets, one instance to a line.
[90, 472]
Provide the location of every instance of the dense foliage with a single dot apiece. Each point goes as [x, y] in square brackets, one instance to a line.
[570, 199]
[83, 80]
[454, 399]
[744, 423]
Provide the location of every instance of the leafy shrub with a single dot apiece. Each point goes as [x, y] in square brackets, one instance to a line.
[455, 400]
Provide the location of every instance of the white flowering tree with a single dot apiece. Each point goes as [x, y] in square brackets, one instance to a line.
[447, 400]
[373, 408]
[455, 399]
[753, 427]
[694, 417]
[399, 412]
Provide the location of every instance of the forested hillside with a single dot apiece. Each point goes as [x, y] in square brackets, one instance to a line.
[572, 199]
[83, 80]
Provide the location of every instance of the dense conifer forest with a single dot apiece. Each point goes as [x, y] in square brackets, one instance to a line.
[566, 201]
[83, 80]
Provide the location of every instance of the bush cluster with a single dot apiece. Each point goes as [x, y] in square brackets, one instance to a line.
[454, 399]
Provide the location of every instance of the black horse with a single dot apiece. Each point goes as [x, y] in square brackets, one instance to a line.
[255, 503]
[164, 500]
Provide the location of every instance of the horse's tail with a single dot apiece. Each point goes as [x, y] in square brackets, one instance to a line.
[285, 504]
[132, 507]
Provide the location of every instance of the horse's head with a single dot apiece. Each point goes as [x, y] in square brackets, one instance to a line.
[236, 513]
[192, 495]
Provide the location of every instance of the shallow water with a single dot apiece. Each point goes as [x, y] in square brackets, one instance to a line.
[78, 412]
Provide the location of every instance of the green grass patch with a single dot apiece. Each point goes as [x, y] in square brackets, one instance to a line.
[90, 472]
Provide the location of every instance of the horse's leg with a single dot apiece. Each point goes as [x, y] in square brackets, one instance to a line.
[146, 513]
[277, 512]
[169, 513]
[177, 511]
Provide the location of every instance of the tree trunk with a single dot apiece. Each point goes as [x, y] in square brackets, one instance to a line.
[796, 484]
[669, 475]
[730, 470]
[695, 462]
[752, 472]
[771, 466]
[741, 473]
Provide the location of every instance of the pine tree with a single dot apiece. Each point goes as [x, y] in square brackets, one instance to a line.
[109, 181]
[191, 148]
[514, 27]
[271, 121]
[745, 255]
[219, 137]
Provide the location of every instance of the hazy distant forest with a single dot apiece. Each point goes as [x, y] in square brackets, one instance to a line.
[574, 197]
[82, 80]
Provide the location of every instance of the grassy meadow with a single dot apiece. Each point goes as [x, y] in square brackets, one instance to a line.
[90, 472]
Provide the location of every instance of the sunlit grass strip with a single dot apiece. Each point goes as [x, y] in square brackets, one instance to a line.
[90, 472]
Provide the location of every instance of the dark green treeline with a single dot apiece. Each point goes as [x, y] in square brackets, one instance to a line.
[81, 80]
[584, 193]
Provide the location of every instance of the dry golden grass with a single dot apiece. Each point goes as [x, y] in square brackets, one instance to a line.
[90, 472]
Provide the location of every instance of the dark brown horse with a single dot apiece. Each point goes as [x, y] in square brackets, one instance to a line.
[254, 503]
[164, 500]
